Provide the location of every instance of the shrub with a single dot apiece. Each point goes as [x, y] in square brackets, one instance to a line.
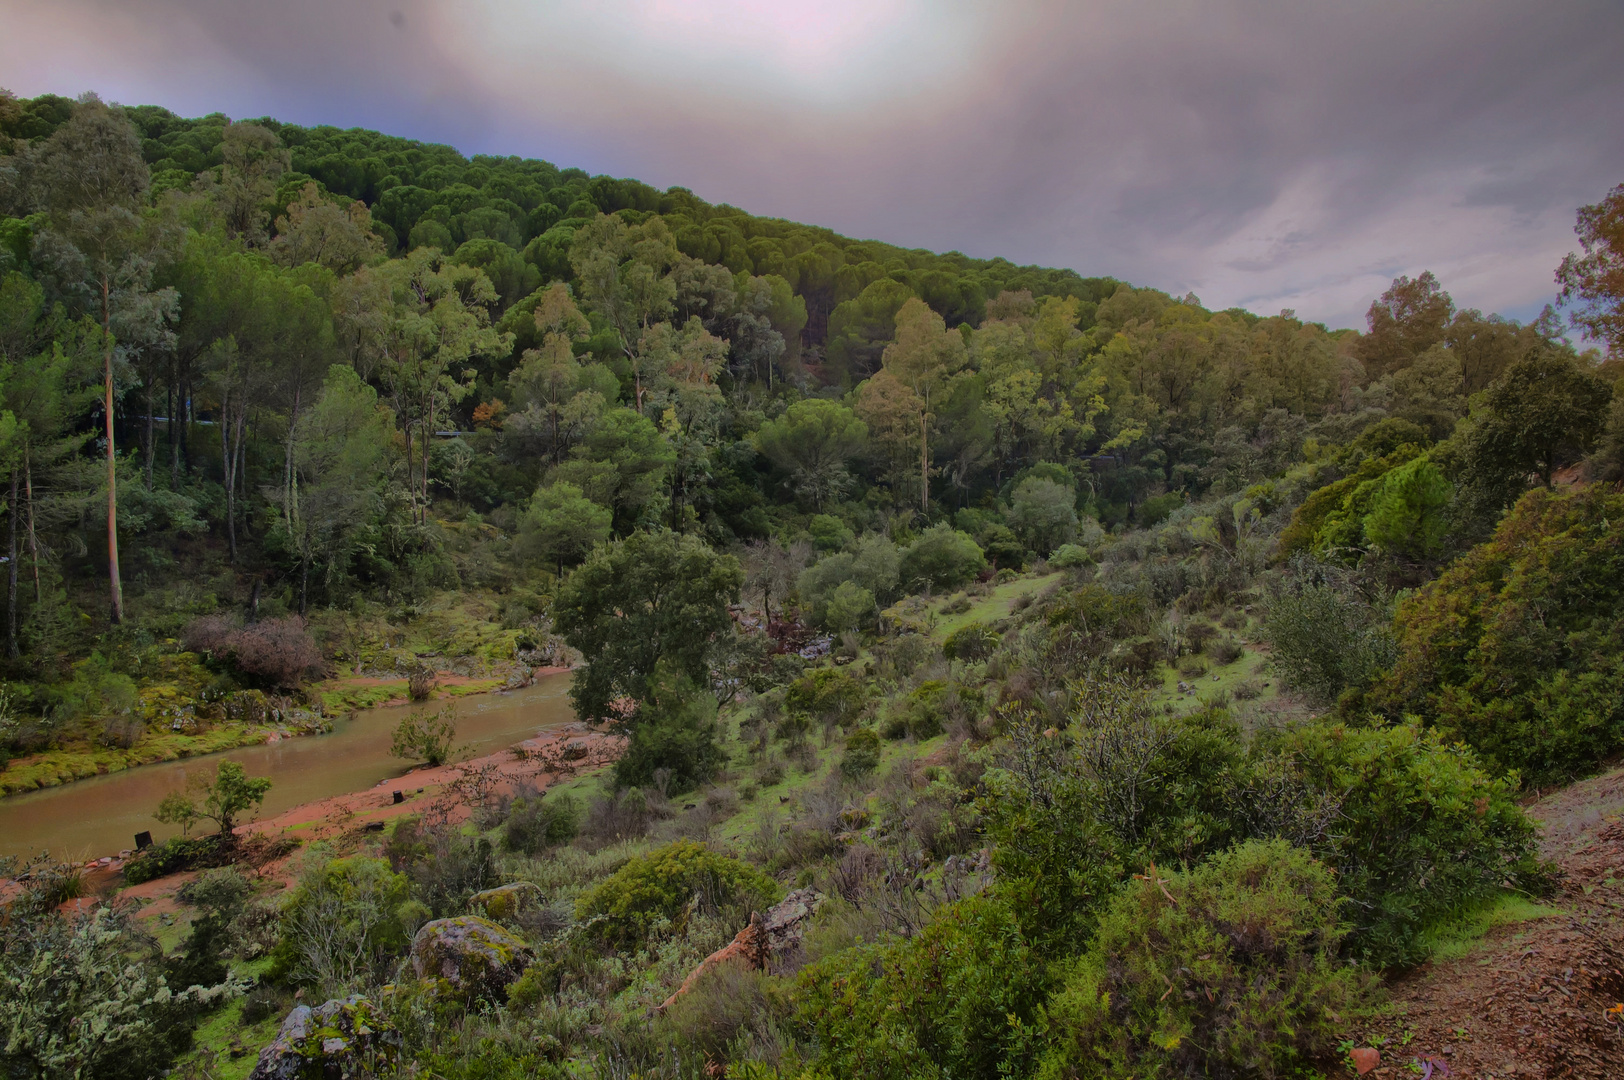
[1518, 648]
[862, 754]
[421, 737]
[1043, 513]
[972, 641]
[849, 607]
[1228, 970]
[1070, 556]
[535, 823]
[832, 695]
[1226, 651]
[277, 652]
[221, 798]
[1326, 641]
[956, 1000]
[1421, 830]
[171, 857]
[343, 921]
[273, 652]
[942, 558]
[1192, 667]
[659, 886]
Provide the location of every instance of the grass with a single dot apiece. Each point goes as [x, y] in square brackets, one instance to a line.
[80, 763]
[1460, 936]
[995, 605]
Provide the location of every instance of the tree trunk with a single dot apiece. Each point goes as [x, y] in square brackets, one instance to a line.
[117, 587]
[226, 459]
[150, 446]
[11, 591]
[924, 469]
[33, 538]
[174, 447]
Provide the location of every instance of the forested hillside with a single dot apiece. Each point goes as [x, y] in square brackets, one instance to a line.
[1046, 628]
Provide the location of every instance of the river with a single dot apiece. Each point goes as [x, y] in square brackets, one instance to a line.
[100, 816]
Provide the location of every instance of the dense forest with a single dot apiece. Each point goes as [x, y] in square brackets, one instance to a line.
[900, 574]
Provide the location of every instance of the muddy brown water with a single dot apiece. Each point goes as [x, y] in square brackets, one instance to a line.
[100, 816]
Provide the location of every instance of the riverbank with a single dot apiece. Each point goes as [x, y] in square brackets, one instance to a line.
[338, 697]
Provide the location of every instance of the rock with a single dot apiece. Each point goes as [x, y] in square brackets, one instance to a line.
[505, 901]
[768, 938]
[344, 1039]
[472, 957]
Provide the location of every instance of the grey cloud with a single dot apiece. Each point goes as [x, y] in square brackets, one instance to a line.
[1261, 152]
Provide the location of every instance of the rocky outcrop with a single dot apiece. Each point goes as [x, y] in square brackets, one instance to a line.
[506, 901]
[342, 1040]
[469, 956]
[768, 940]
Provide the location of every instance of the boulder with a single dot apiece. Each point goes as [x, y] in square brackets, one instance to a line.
[505, 901]
[343, 1039]
[469, 956]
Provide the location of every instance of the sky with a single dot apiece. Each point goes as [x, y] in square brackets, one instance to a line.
[1266, 154]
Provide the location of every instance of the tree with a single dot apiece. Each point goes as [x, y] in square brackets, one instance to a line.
[1407, 515]
[1408, 319]
[651, 597]
[1545, 412]
[924, 357]
[812, 441]
[621, 462]
[674, 730]
[222, 799]
[1043, 513]
[1593, 283]
[942, 557]
[561, 525]
[316, 230]
[90, 177]
[340, 448]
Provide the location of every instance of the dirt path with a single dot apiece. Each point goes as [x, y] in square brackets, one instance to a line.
[1539, 999]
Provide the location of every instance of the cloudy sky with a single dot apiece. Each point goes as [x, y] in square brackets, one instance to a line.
[1262, 153]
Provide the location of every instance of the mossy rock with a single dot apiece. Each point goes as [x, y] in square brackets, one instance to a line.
[505, 902]
[472, 957]
[345, 1039]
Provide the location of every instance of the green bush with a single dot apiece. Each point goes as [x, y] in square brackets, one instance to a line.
[1325, 640]
[862, 753]
[1421, 831]
[955, 1000]
[832, 695]
[1228, 970]
[536, 823]
[1518, 648]
[660, 885]
[850, 607]
[341, 925]
[941, 558]
[1070, 556]
[171, 857]
[972, 641]
[430, 739]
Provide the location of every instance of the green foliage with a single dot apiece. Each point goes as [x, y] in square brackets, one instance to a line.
[673, 731]
[343, 921]
[957, 1000]
[833, 695]
[972, 641]
[812, 441]
[1043, 513]
[85, 997]
[535, 823]
[170, 857]
[1407, 514]
[862, 754]
[849, 607]
[220, 798]
[1070, 556]
[430, 739]
[655, 596]
[1421, 831]
[561, 525]
[1515, 649]
[1544, 412]
[942, 558]
[659, 886]
[1228, 969]
[1324, 639]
